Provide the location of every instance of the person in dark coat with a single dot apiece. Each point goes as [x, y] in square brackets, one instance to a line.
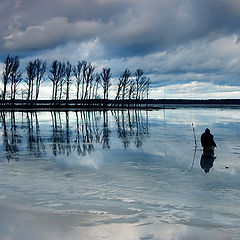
[207, 139]
[208, 145]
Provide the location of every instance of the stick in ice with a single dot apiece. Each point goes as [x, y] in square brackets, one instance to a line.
[194, 135]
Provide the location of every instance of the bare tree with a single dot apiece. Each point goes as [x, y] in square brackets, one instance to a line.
[144, 89]
[84, 70]
[96, 86]
[40, 71]
[90, 87]
[142, 84]
[88, 77]
[8, 64]
[138, 75]
[53, 76]
[16, 78]
[77, 73]
[61, 79]
[131, 90]
[125, 79]
[68, 79]
[119, 88]
[106, 76]
[31, 74]
[57, 73]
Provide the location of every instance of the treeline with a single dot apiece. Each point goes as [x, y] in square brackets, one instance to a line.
[82, 78]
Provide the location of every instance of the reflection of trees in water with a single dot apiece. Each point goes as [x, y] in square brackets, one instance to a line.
[132, 125]
[77, 132]
[13, 135]
[58, 137]
[10, 137]
[35, 142]
[85, 133]
[105, 139]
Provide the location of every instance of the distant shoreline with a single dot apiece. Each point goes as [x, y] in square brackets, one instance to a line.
[100, 104]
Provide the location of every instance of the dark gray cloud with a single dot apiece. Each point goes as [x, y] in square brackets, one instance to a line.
[49, 23]
[128, 27]
[51, 33]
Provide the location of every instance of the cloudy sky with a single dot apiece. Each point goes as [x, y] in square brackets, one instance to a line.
[189, 48]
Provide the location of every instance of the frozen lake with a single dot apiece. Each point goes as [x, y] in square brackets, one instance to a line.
[120, 175]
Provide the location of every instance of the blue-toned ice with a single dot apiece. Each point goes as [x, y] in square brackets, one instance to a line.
[118, 175]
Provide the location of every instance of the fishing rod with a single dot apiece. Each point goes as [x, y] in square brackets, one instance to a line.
[194, 135]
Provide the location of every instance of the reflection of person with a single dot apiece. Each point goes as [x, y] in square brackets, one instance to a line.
[208, 145]
[207, 159]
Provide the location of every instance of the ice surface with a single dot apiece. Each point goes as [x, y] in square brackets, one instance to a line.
[118, 175]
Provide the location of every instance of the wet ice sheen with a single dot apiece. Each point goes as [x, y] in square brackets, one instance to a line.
[118, 175]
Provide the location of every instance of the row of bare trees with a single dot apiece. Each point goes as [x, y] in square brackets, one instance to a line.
[88, 84]
[11, 76]
[35, 76]
[133, 87]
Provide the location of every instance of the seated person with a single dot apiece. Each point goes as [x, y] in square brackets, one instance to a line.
[207, 140]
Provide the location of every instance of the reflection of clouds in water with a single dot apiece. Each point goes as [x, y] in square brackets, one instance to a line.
[200, 116]
[94, 160]
[197, 234]
[36, 224]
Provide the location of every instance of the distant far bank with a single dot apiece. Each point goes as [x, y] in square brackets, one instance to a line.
[117, 104]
